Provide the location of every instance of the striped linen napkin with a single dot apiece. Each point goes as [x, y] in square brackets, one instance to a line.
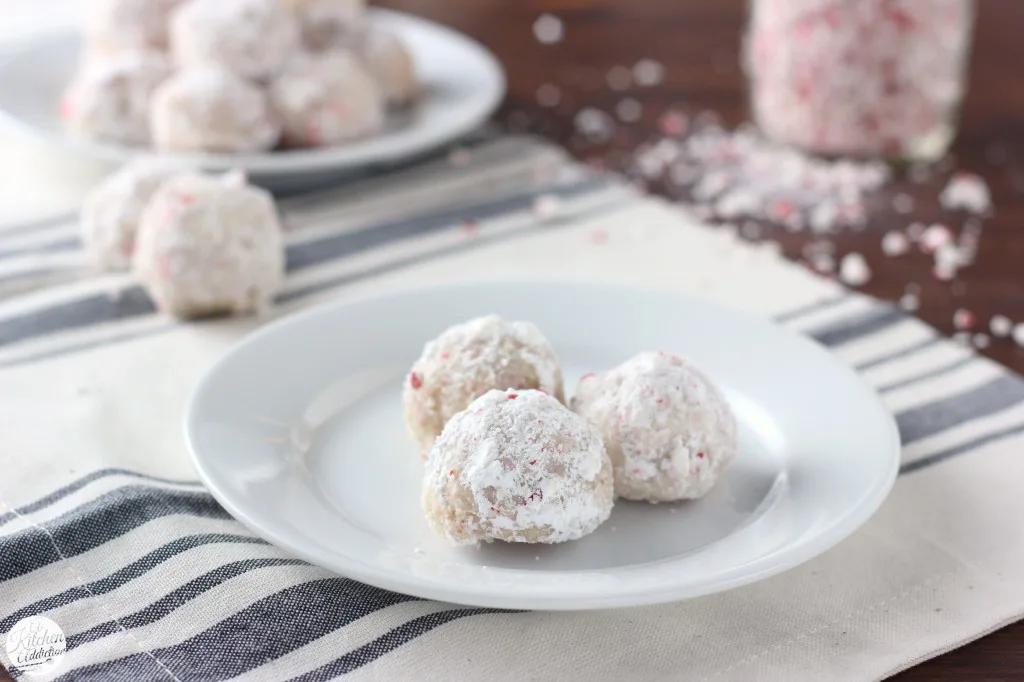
[104, 529]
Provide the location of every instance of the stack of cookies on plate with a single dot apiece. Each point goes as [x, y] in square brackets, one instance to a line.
[235, 76]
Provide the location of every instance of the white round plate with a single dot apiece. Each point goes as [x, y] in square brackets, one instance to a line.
[298, 432]
[464, 85]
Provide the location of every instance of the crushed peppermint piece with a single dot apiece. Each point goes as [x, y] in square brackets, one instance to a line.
[903, 203]
[599, 237]
[1000, 325]
[548, 29]
[935, 237]
[963, 319]
[910, 302]
[981, 341]
[594, 124]
[648, 73]
[968, 192]
[854, 270]
[629, 110]
[1018, 334]
[673, 124]
[944, 273]
[895, 244]
[914, 231]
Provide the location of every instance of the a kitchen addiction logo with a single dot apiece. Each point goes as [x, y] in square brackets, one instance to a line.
[36, 645]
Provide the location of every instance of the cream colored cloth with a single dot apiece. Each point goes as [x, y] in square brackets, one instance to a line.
[150, 579]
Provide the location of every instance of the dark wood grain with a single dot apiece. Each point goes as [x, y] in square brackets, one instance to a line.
[698, 41]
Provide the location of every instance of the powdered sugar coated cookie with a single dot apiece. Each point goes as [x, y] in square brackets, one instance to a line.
[470, 359]
[109, 98]
[111, 213]
[209, 245]
[391, 64]
[517, 466]
[211, 109]
[253, 38]
[668, 429]
[325, 99]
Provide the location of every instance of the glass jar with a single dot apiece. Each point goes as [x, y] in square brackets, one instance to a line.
[859, 77]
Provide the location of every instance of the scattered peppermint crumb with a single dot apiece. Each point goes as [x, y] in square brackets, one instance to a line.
[910, 302]
[1018, 334]
[943, 273]
[549, 95]
[619, 78]
[599, 237]
[1000, 326]
[548, 29]
[536, 557]
[469, 226]
[546, 207]
[966, 191]
[935, 237]
[823, 263]
[981, 340]
[903, 203]
[914, 231]
[629, 110]
[854, 270]
[895, 244]
[647, 73]
[963, 319]
[595, 124]
[673, 124]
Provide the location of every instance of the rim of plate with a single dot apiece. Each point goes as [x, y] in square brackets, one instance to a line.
[826, 537]
[377, 150]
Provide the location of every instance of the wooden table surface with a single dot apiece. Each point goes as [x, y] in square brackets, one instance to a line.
[698, 42]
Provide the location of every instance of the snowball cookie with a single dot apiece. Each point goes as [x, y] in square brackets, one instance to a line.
[111, 213]
[327, 24]
[326, 99]
[211, 110]
[667, 428]
[468, 360]
[517, 466]
[391, 64]
[209, 245]
[252, 38]
[114, 26]
[109, 99]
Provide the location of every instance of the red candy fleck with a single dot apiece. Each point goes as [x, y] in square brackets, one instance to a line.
[67, 107]
[416, 381]
[599, 237]
[445, 355]
[700, 455]
[533, 461]
[186, 199]
[469, 226]
[513, 396]
[536, 495]
[451, 472]
[660, 401]
[495, 510]
[589, 375]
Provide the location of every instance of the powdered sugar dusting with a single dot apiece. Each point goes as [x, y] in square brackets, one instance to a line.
[469, 359]
[517, 466]
[668, 429]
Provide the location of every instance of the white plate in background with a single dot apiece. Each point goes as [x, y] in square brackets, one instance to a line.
[298, 432]
[464, 85]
